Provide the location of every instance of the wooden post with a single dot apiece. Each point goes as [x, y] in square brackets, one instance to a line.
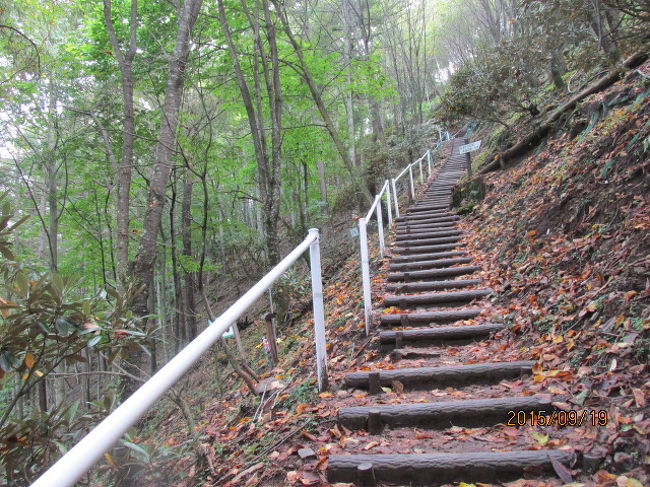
[272, 309]
[399, 339]
[375, 423]
[366, 475]
[374, 386]
[270, 333]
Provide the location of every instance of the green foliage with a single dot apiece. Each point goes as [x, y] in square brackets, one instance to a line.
[46, 324]
[504, 79]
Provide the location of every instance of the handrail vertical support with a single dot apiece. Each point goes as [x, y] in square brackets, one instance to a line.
[319, 310]
[420, 166]
[411, 180]
[380, 227]
[365, 273]
[395, 198]
[429, 161]
[389, 204]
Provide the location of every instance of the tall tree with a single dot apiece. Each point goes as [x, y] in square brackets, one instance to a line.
[125, 59]
[142, 266]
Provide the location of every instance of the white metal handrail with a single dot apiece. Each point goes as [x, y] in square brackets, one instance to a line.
[363, 245]
[409, 169]
[77, 461]
[387, 188]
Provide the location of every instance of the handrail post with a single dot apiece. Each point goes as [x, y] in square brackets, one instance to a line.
[389, 205]
[420, 166]
[395, 198]
[319, 310]
[365, 273]
[380, 226]
[411, 180]
[429, 161]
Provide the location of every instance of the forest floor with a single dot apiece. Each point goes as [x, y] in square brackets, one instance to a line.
[563, 239]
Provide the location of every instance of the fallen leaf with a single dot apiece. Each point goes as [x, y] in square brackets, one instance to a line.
[308, 478]
[624, 481]
[292, 476]
[541, 438]
[561, 471]
[370, 445]
[639, 397]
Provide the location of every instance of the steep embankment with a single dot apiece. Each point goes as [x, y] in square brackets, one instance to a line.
[565, 238]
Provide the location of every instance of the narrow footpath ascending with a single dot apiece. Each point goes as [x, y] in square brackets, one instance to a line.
[430, 278]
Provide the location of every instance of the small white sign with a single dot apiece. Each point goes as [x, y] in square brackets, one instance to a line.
[229, 333]
[463, 149]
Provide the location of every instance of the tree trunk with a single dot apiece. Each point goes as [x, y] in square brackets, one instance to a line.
[305, 72]
[180, 338]
[125, 63]
[143, 265]
[189, 306]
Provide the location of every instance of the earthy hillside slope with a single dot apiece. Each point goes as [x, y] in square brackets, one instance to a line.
[563, 239]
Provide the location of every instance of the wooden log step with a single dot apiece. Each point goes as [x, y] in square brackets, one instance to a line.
[429, 264]
[430, 216]
[443, 201]
[427, 248]
[428, 207]
[446, 202]
[413, 353]
[440, 299]
[438, 195]
[429, 241]
[423, 227]
[435, 227]
[414, 287]
[453, 375]
[470, 413]
[423, 219]
[418, 217]
[427, 469]
[437, 336]
[427, 222]
[437, 211]
[430, 234]
[427, 317]
[429, 256]
[427, 225]
[433, 273]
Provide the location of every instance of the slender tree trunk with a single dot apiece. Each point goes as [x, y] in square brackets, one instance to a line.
[349, 109]
[180, 338]
[143, 265]
[125, 63]
[189, 288]
[268, 167]
[357, 179]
